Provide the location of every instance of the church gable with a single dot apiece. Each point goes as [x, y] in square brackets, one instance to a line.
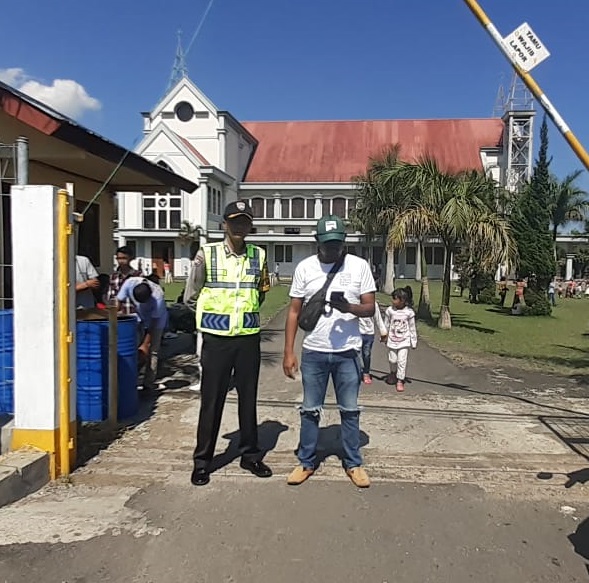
[187, 111]
[163, 145]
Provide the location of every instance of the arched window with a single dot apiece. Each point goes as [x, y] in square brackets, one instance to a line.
[285, 208]
[339, 207]
[298, 208]
[258, 208]
[164, 165]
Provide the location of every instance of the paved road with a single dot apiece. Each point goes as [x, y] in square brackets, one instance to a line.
[246, 531]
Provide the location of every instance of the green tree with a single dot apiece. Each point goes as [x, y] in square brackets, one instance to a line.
[531, 225]
[379, 194]
[568, 202]
[189, 236]
[455, 209]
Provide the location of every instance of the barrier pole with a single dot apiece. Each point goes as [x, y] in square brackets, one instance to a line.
[531, 84]
[64, 232]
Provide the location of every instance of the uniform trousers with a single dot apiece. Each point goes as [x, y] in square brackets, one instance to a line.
[221, 358]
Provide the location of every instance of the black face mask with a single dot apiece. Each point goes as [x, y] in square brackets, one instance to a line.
[331, 251]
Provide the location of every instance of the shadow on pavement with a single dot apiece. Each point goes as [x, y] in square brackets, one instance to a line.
[580, 541]
[268, 434]
[330, 444]
[177, 369]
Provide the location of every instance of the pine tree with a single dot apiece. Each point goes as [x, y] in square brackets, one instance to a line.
[531, 226]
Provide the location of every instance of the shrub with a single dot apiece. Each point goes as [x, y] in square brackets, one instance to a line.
[537, 304]
[488, 295]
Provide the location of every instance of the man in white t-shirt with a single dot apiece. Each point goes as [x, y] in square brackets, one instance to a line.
[332, 348]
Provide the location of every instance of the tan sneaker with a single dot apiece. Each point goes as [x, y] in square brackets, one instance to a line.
[359, 477]
[299, 475]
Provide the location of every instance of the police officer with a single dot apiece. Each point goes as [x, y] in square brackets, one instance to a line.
[229, 281]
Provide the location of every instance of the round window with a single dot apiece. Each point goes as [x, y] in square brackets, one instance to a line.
[184, 111]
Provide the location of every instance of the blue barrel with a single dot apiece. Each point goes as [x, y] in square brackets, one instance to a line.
[92, 369]
[7, 361]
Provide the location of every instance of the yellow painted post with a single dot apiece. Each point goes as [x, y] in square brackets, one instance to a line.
[64, 232]
[530, 84]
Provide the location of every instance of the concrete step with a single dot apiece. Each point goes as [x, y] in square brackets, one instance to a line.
[490, 472]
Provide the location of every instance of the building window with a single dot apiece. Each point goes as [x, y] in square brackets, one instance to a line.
[429, 255]
[438, 256]
[410, 253]
[184, 111]
[269, 209]
[89, 232]
[215, 201]
[339, 207]
[351, 206]
[162, 210]
[258, 208]
[298, 208]
[283, 253]
[310, 208]
[326, 208]
[285, 208]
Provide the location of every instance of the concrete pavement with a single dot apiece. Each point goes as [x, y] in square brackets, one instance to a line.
[477, 474]
[452, 425]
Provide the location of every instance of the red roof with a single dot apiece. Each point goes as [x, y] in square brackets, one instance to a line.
[335, 151]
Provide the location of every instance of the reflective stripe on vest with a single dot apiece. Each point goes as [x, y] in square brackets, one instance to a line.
[228, 304]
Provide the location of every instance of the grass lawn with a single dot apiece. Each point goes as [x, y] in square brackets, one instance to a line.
[481, 333]
[276, 298]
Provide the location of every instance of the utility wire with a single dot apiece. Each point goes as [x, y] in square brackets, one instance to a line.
[200, 24]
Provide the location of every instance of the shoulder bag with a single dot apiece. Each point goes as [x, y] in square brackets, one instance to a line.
[315, 307]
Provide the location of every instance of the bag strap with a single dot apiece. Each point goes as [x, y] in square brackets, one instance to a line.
[336, 267]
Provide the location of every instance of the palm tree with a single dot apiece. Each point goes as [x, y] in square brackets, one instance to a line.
[454, 208]
[568, 202]
[190, 235]
[380, 193]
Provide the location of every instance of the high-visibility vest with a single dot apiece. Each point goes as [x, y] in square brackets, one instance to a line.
[229, 302]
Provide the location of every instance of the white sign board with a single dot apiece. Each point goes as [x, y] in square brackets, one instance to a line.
[525, 48]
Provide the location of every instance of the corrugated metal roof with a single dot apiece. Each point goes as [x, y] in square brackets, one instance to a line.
[335, 151]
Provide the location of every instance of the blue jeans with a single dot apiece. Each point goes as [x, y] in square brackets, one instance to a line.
[367, 342]
[344, 368]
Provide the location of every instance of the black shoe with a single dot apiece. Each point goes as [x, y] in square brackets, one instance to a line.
[259, 469]
[200, 477]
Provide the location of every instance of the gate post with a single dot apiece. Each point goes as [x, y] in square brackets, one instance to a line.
[44, 417]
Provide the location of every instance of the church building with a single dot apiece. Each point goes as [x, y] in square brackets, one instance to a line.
[292, 173]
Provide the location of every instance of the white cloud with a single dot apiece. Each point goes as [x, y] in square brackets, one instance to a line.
[65, 95]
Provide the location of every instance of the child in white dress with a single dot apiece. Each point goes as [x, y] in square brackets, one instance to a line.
[401, 335]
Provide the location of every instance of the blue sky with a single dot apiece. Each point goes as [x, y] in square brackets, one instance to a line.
[303, 59]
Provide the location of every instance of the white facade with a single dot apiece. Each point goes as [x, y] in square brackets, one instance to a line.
[190, 135]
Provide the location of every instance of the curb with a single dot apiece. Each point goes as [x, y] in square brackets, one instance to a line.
[22, 472]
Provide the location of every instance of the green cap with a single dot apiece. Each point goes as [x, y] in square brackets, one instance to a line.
[330, 228]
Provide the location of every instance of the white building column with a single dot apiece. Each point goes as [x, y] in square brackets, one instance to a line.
[569, 266]
[277, 205]
[36, 323]
[318, 205]
[222, 135]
